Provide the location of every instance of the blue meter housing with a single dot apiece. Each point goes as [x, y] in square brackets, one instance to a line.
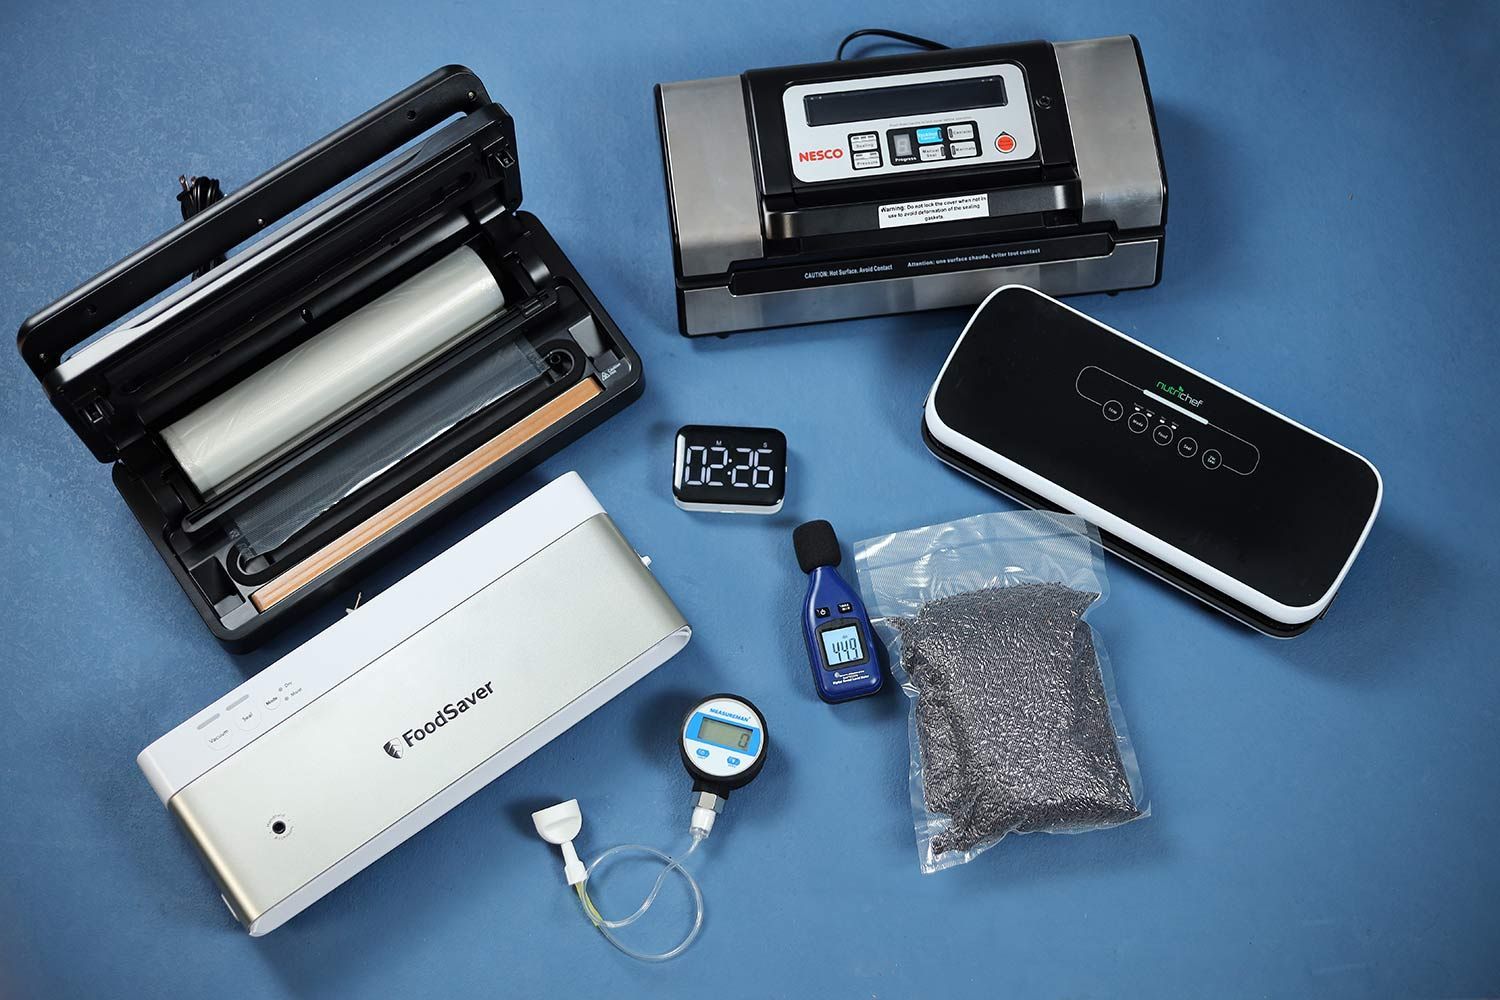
[835, 626]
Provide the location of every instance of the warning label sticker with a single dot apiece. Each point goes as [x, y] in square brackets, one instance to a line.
[919, 213]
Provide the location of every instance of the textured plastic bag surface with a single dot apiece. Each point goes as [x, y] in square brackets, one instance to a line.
[1014, 725]
[304, 494]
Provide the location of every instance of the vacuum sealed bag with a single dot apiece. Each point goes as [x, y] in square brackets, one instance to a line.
[1013, 720]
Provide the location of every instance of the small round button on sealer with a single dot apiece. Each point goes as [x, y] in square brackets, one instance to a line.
[723, 741]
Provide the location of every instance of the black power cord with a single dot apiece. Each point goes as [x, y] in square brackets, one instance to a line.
[899, 36]
[197, 194]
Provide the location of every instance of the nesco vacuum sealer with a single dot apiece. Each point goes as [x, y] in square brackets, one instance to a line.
[1212, 492]
[887, 185]
[292, 412]
[342, 749]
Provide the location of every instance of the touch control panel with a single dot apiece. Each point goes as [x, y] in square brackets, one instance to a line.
[841, 129]
[1150, 416]
[246, 715]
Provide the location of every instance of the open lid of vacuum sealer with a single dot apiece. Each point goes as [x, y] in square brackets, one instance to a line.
[115, 389]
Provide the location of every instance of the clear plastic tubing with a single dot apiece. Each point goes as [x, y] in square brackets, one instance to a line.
[608, 927]
[331, 374]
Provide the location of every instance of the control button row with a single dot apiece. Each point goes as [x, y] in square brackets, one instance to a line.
[247, 714]
[1163, 435]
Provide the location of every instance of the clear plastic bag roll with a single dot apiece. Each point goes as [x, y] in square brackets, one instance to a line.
[334, 372]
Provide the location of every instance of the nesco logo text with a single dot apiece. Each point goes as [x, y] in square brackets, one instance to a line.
[820, 154]
[445, 715]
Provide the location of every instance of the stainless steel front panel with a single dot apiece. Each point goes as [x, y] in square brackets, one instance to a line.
[710, 174]
[1113, 138]
[541, 636]
[716, 310]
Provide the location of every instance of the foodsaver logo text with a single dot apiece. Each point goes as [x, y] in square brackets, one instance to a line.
[397, 748]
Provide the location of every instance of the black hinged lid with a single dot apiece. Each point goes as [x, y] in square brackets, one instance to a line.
[105, 389]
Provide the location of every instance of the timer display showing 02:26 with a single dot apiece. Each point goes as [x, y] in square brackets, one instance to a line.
[702, 465]
[729, 468]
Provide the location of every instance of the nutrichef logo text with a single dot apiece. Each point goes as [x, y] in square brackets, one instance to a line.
[448, 713]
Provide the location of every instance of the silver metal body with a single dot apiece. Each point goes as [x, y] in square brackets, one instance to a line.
[352, 743]
[719, 221]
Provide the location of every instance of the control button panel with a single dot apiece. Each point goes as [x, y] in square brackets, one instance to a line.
[245, 716]
[858, 127]
[1168, 425]
[864, 150]
[930, 143]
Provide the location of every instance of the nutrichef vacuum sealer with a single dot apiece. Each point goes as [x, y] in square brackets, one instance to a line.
[842, 189]
[1220, 496]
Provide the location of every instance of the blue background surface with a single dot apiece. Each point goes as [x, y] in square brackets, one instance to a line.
[1325, 809]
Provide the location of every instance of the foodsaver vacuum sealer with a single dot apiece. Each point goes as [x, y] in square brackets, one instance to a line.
[841, 189]
[295, 410]
[335, 754]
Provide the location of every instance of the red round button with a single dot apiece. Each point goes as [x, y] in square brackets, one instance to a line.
[1005, 142]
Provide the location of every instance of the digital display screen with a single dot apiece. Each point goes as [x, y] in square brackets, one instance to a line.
[730, 466]
[724, 735]
[897, 102]
[842, 645]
